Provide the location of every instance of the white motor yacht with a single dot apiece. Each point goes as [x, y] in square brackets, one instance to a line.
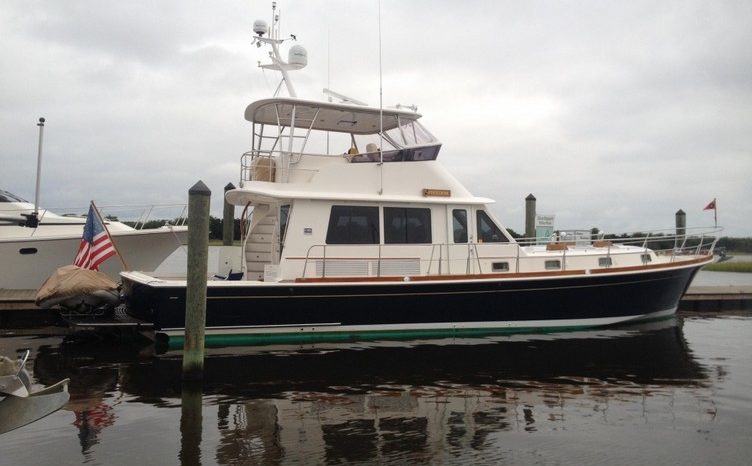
[376, 239]
[29, 254]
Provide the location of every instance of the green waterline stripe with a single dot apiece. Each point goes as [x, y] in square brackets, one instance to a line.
[246, 339]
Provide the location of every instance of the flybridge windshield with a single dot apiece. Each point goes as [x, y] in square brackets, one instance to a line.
[410, 133]
[5, 196]
[407, 134]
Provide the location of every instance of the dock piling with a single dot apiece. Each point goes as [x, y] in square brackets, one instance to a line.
[228, 220]
[199, 197]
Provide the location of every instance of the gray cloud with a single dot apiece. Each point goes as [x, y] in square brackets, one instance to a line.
[614, 114]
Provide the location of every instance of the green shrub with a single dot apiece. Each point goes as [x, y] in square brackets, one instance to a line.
[745, 267]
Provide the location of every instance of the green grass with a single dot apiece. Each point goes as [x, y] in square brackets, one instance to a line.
[743, 267]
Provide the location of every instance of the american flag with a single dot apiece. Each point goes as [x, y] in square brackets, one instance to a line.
[96, 245]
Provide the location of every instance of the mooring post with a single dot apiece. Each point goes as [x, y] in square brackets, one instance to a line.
[228, 220]
[681, 227]
[195, 294]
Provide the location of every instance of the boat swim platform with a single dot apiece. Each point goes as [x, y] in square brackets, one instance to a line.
[17, 308]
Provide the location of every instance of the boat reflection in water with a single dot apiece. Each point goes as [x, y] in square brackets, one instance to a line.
[405, 401]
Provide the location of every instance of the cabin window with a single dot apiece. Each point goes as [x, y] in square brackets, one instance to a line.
[284, 218]
[646, 258]
[459, 225]
[407, 225]
[604, 262]
[5, 196]
[353, 225]
[553, 265]
[500, 266]
[488, 232]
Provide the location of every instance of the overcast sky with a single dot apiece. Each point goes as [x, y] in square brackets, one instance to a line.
[613, 114]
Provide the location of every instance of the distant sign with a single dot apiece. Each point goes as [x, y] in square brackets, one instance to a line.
[544, 228]
[544, 221]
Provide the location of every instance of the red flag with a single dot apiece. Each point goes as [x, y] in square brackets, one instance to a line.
[710, 206]
[96, 245]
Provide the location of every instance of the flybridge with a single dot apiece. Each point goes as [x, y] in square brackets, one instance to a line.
[285, 129]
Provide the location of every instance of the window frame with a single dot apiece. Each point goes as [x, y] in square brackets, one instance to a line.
[479, 231]
[371, 213]
[404, 237]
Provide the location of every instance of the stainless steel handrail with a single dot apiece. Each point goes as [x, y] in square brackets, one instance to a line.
[702, 243]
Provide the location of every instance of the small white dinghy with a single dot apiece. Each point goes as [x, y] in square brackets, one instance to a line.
[20, 403]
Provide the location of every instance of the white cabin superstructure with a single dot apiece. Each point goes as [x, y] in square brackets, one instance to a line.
[365, 212]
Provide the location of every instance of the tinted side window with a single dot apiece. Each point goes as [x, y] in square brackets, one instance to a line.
[284, 217]
[459, 225]
[353, 225]
[488, 232]
[407, 225]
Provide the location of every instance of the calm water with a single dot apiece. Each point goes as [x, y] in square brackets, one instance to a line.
[672, 392]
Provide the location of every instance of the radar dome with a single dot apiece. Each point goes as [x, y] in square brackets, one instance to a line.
[260, 27]
[297, 56]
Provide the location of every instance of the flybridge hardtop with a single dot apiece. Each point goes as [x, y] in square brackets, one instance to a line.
[351, 228]
[327, 116]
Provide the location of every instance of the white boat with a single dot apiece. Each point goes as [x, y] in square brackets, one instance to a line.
[379, 240]
[21, 402]
[30, 254]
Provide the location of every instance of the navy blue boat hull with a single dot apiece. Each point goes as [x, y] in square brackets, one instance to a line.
[561, 301]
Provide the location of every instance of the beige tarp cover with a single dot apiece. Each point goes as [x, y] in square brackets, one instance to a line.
[70, 281]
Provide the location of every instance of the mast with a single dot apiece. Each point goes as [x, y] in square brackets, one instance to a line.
[297, 55]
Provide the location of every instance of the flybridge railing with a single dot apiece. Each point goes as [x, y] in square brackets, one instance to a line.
[602, 252]
[265, 165]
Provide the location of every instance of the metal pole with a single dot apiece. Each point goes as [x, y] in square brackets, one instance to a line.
[228, 220]
[33, 219]
[199, 197]
[39, 164]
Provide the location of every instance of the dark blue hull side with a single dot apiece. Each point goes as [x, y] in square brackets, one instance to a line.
[552, 302]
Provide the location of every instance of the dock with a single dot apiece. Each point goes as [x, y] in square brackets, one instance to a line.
[717, 298]
[17, 309]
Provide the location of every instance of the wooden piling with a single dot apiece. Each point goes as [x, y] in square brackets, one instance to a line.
[681, 223]
[199, 197]
[228, 220]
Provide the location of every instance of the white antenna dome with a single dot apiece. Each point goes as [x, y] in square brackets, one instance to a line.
[297, 57]
[260, 27]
